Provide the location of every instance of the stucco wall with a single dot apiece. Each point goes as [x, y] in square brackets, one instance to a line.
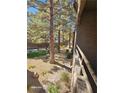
[87, 36]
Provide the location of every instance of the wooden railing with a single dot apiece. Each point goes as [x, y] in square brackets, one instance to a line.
[86, 70]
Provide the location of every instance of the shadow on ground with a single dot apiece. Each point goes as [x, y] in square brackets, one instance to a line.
[55, 69]
[63, 66]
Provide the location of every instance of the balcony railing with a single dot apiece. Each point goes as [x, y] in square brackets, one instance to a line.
[83, 79]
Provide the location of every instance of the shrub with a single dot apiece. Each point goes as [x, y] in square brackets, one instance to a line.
[37, 53]
[65, 77]
[52, 89]
[69, 55]
[31, 66]
[67, 51]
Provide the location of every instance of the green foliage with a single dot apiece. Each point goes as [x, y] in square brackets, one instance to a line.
[38, 28]
[69, 54]
[38, 24]
[67, 51]
[65, 77]
[53, 89]
[31, 66]
[37, 54]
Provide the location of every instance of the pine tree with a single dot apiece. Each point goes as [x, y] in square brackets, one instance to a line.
[52, 59]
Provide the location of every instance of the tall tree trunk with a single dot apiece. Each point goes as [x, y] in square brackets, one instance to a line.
[73, 41]
[52, 59]
[59, 41]
[63, 37]
[60, 9]
[69, 41]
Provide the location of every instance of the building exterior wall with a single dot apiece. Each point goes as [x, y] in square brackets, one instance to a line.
[87, 36]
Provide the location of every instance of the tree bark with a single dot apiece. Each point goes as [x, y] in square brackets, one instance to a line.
[63, 37]
[59, 41]
[52, 59]
[69, 41]
[73, 41]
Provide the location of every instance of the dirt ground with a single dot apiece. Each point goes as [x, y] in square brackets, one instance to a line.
[47, 73]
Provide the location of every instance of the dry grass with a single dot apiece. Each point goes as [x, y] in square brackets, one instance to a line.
[49, 73]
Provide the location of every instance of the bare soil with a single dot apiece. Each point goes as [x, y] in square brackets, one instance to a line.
[48, 73]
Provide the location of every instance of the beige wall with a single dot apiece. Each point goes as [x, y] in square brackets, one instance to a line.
[87, 36]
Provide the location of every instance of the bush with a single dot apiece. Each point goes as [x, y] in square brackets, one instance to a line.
[52, 89]
[65, 77]
[69, 55]
[37, 53]
[67, 50]
[31, 66]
